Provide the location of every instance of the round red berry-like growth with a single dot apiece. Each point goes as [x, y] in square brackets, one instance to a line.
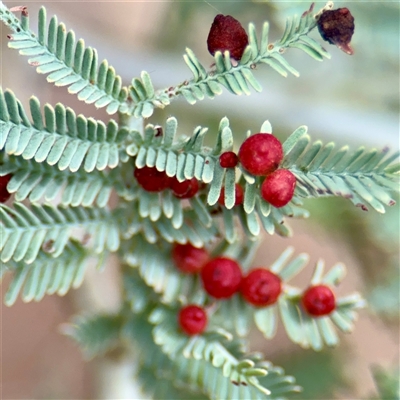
[221, 277]
[184, 190]
[229, 159]
[278, 188]
[4, 193]
[227, 33]
[192, 319]
[261, 287]
[318, 300]
[150, 179]
[261, 154]
[239, 195]
[189, 259]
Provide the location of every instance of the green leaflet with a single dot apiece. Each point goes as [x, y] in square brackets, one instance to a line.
[183, 158]
[182, 227]
[36, 181]
[143, 95]
[61, 138]
[210, 349]
[166, 387]
[365, 177]
[47, 275]
[386, 381]
[25, 231]
[200, 365]
[56, 52]
[96, 334]
[158, 271]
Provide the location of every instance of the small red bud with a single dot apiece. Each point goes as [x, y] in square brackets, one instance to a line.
[192, 319]
[319, 300]
[229, 159]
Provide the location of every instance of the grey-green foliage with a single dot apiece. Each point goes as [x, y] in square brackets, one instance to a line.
[35, 181]
[58, 136]
[95, 334]
[190, 369]
[47, 274]
[159, 385]
[182, 158]
[68, 62]
[25, 231]
[387, 382]
[76, 161]
[364, 176]
[201, 364]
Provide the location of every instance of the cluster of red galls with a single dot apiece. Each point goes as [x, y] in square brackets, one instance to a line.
[260, 155]
[222, 278]
[152, 180]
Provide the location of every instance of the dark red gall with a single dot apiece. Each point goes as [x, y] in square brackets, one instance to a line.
[261, 287]
[318, 300]
[184, 190]
[226, 33]
[221, 277]
[189, 259]
[4, 193]
[261, 154]
[150, 179]
[192, 319]
[337, 27]
[278, 188]
[239, 195]
[229, 159]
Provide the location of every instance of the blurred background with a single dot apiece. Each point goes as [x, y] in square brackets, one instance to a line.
[349, 99]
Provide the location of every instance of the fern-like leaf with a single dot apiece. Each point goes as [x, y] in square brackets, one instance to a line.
[36, 181]
[216, 349]
[365, 177]
[95, 334]
[158, 271]
[159, 385]
[237, 79]
[47, 275]
[68, 62]
[184, 158]
[24, 231]
[144, 96]
[62, 138]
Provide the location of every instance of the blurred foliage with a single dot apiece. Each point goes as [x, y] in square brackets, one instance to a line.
[316, 372]
[374, 247]
[387, 382]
